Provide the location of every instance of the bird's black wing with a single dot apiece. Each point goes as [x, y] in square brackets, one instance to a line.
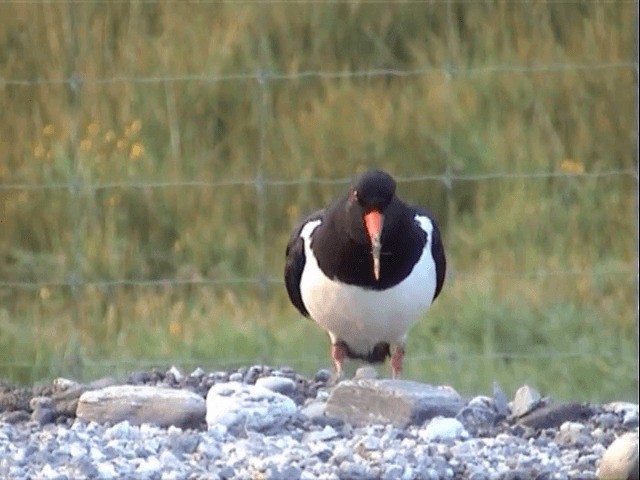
[437, 250]
[294, 264]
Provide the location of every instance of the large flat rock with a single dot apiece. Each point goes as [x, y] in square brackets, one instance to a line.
[142, 404]
[397, 402]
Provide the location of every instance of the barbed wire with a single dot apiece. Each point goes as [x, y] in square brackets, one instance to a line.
[275, 2]
[549, 355]
[631, 269]
[76, 80]
[446, 178]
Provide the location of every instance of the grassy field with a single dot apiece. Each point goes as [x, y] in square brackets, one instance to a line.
[144, 142]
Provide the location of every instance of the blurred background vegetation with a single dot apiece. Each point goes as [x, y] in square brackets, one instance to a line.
[154, 158]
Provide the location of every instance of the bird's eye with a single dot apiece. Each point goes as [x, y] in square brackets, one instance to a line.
[353, 196]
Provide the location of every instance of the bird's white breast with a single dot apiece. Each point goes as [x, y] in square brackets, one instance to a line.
[363, 317]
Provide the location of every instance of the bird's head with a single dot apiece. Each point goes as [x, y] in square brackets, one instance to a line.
[369, 197]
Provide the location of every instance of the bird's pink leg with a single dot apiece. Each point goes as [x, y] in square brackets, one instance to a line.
[396, 361]
[338, 354]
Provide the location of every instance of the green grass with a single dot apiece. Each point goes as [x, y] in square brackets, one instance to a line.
[571, 331]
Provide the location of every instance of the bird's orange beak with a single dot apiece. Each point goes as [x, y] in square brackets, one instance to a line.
[373, 222]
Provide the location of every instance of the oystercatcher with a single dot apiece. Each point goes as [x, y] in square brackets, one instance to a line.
[365, 269]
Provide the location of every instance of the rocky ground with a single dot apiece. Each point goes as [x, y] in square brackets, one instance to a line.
[266, 423]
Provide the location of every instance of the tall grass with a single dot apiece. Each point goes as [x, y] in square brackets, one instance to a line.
[159, 94]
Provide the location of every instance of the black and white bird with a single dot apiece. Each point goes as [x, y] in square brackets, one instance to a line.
[365, 269]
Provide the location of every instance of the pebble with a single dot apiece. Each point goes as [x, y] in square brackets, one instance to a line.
[282, 385]
[526, 400]
[443, 429]
[270, 423]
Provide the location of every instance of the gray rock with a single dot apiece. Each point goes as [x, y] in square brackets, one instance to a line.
[366, 372]
[620, 461]
[65, 398]
[628, 411]
[327, 433]
[14, 399]
[392, 472]
[480, 414]
[314, 410]
[181, 443]
[572, 433]
[16, 416]
[500, 400]
[282, 385]
[43, 416]
[226, 473]
[553, 416]
[399, 402]
[175, 373]
[290, 472]
[40, 402]
[247, 406]
[142, 404]
[323, 375]
[525, 400]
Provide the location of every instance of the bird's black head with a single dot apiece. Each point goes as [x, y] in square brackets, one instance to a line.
[373, 190]
[368, 199]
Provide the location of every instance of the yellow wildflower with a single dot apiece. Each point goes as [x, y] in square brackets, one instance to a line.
[569, 165]
[137, 150]
[48, 130]
[85, 144]
[109, 137]
[92, 129]
[134, 128]
[39, 151]
[175, 328]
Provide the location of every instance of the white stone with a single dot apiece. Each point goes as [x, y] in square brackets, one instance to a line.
[64, 383]
[366, 372]
[620, 461]
[48, 472]
[526, 399]
[248, 406]
[106, 470]
[121, 430]
[327, 433]
[77, 450]
[441, 428]
[177, 374]
[149, 466]
[314, 409]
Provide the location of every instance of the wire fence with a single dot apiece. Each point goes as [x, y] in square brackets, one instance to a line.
[260, 181]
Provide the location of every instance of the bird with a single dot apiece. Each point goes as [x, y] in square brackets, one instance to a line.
[365, 269]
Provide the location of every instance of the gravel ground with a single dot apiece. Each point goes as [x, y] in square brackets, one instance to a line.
[59, 446]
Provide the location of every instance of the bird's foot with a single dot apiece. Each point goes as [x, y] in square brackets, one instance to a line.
[396, 362]
[338, 355]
